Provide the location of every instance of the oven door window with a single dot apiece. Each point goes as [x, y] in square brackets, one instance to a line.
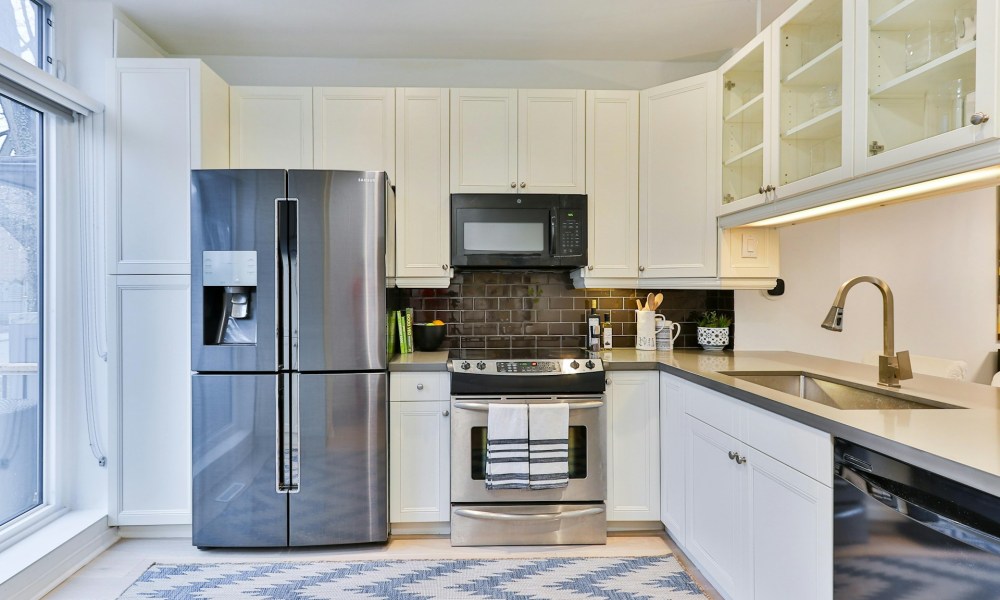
[577, 452]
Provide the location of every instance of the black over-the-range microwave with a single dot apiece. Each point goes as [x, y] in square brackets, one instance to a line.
[519, 230]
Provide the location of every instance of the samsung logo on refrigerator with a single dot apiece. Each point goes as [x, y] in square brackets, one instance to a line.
[366, 179]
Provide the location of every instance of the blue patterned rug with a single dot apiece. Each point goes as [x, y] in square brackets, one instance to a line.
[629, 578]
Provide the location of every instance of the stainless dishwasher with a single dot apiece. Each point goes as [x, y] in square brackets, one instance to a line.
[904, 532]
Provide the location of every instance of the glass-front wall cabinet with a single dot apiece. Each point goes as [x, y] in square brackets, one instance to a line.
[931, 77]
[810, 50]
[743, 127]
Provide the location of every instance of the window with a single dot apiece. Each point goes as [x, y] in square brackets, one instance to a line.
[20, 308]
[23, 26]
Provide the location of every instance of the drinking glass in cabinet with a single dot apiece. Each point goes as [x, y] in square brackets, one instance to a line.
[824, 99]
[965, 26]
[944, 108]
[927, 42]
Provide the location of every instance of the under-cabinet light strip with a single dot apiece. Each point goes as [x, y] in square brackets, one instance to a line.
[951, 183]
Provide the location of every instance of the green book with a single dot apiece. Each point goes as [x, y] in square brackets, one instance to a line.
[390, 332]
[401, 327]
[409, 329]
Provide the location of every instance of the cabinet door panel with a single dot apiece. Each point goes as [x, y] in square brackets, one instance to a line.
[634, 447]
[672, 457]
[422, 194]
[271, 127]
[550, 139]
[613, 183]
[679, 179]
[151, 383]
[419, 462]
[791, 517]
[483, 141]
[716, 488]
[354, 129]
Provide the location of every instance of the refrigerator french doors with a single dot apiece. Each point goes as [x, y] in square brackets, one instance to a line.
[289, 354]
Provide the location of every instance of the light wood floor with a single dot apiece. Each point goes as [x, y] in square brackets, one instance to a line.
[108, 575]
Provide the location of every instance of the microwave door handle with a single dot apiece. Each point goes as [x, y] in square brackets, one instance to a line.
[552, 232]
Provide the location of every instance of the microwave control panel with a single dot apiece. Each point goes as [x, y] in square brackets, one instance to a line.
[571, 234]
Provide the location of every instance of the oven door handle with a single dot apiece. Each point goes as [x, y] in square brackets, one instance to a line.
[483, 406]
[492, 516]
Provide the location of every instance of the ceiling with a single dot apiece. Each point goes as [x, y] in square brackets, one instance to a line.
[639, 30]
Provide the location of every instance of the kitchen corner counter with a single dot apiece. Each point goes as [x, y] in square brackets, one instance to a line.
[961, 443]
[419, 361]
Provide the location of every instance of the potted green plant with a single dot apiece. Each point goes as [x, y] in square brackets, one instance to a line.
[713, 330]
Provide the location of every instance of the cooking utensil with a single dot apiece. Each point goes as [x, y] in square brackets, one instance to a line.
[649, 301]
[657, 300]
[638, 303]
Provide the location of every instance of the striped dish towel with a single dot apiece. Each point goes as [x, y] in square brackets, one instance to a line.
[548, 441]
[507, 447]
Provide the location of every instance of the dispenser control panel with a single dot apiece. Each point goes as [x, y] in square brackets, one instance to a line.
[229, 268]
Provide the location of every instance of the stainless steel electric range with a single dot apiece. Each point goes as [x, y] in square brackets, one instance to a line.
[571, 515]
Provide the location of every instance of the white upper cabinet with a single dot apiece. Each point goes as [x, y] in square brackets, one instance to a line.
[166, 117]
[787, 109]
[505, 141]
[271, 127]
[354, 129]
[422, 199]
[929, 73]
[679, 179]
[550, 141]
[613, 181]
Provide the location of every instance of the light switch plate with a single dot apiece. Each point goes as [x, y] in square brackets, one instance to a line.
[748, 246]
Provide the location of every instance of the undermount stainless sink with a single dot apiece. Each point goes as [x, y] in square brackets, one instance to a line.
[844, 395]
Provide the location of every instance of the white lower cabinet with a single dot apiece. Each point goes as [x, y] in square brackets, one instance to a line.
[633, 446]
[758, 524]
[419, 448]
[150, 383]
[672, 457]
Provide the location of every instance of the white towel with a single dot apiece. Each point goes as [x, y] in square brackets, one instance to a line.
[507, 447]
[548, 443]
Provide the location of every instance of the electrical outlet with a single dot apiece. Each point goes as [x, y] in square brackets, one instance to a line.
[748, 245]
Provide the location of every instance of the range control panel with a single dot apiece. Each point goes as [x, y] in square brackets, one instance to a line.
[565, 366]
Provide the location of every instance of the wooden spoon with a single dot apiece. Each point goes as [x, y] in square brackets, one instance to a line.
[649, 301]
[638, 303]
[657, 300]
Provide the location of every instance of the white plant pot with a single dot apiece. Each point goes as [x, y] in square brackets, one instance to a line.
[713, 338]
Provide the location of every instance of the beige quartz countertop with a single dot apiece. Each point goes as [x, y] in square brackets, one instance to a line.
[961, 443]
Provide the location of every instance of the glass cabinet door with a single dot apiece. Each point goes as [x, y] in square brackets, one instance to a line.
[813, 117]
[930, 77]
[743, 128]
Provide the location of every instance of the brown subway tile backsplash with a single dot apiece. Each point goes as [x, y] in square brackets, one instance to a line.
[492, 310]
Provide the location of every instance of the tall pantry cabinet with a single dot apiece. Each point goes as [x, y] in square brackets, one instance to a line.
[165, 117]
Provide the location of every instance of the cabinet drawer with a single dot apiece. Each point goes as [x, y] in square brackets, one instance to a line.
[799, 446]
[721, 412]
[418, 387]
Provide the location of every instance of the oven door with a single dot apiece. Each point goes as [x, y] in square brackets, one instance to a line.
[587, 450]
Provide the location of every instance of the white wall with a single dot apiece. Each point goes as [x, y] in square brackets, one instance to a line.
[585, 74]
[939, 256]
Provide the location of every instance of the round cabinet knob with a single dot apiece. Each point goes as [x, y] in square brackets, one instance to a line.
[444, 267]
[444, 413]
[589, 364]
[574, 365]
[740, 459]
[590, 267]
[770, 188]
[523, 185]
[466, 366]
[607, 381]
[481, 365]
[978, 118]
[513, 184]
[642, 268]
[760, 190]
[732, 455]
[420, 386]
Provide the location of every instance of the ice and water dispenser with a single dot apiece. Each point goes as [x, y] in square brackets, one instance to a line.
[229, 284]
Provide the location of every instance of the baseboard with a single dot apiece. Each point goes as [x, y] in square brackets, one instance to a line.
[637, 526]
[435, 528]
[53, 553]
[154, 531]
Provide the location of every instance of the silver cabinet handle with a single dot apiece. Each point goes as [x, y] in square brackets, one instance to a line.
[420, 386]
[590, 267]
[492, 516]
[523, 184]
[740, 459]
[732, 455]
[760, 190]
[978, 118]
[513, 184]
[445, 413]
[444, 267]
[642, 268]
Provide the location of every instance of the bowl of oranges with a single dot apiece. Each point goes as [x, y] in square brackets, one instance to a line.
[427, 337]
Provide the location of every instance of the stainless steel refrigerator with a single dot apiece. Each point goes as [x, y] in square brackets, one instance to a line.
[288, 349]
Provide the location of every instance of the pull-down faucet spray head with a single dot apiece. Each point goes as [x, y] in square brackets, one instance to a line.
[834, 320]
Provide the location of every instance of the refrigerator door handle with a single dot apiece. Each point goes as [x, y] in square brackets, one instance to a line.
[282, 275]
[293, 284]
[295, 471]
[287, 435]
